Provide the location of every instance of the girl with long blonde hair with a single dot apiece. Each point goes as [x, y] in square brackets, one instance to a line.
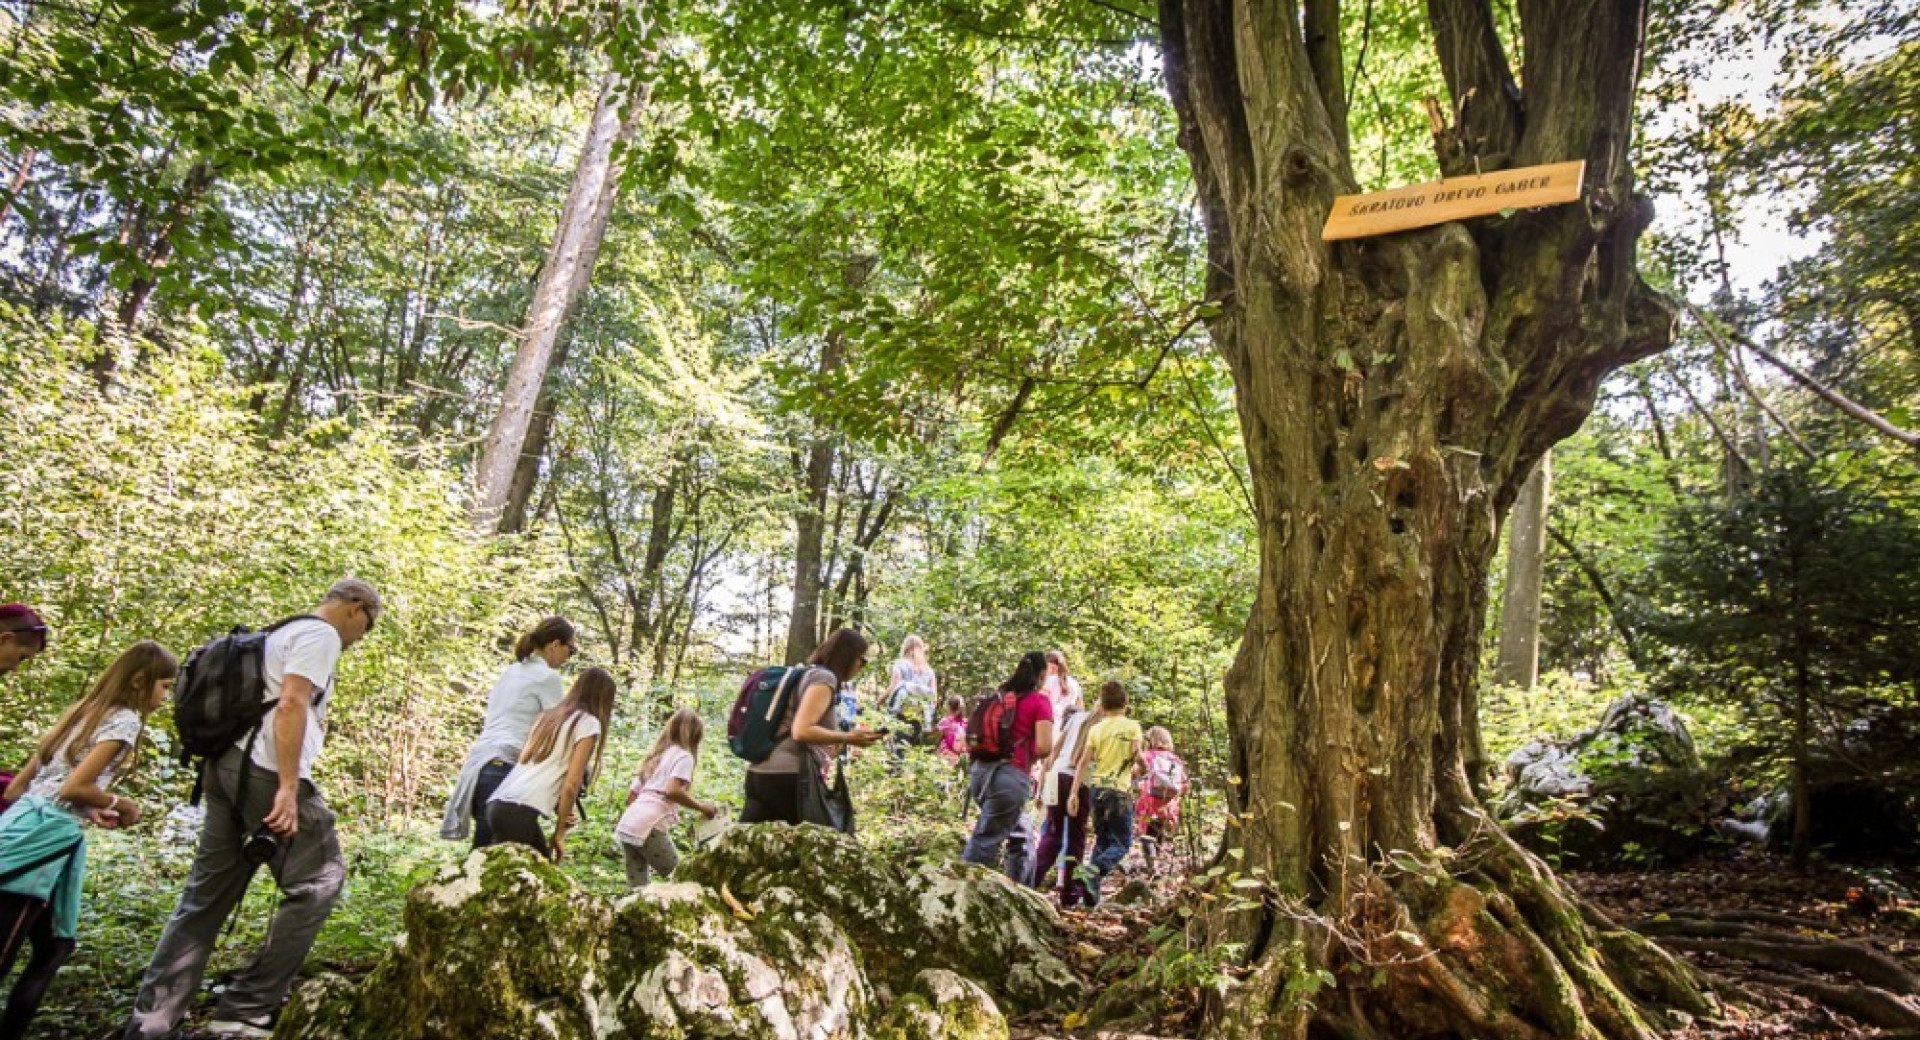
[42, 848]
[560, 760]
[664, 782]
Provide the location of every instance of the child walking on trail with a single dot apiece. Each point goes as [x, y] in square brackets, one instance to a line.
[43, 852]
[953, 731]
[1106, 766]
[664, 783]
[561, 757]
[1163, 783]
[1062, 831]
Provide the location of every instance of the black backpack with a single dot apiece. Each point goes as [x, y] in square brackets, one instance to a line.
[221, 696]
[754, 725]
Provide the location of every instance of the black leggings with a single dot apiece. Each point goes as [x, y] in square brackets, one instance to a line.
[512, 821]
[25, 920]
[772, 798]
[488, 782]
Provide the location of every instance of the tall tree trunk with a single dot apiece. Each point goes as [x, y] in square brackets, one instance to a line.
[1526, 558]
[816, 477]
[526, 468]
[1802, 850]
[1393, 394]
[21, 173]
[809, 537]
[564, 278]
[154, 247]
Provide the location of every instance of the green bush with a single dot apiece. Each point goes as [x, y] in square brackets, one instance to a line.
[156, 510]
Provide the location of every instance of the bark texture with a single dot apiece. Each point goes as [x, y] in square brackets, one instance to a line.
[1393, 394]
[564, 278]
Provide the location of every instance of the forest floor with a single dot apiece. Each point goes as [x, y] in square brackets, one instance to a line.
[1875, 907]
[1872, 907]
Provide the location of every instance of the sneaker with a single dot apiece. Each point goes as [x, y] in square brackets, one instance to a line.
[236, 1029]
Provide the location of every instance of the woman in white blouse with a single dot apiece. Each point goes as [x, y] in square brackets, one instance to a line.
[529, 686]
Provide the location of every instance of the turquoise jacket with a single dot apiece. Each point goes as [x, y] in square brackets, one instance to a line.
[32, 830]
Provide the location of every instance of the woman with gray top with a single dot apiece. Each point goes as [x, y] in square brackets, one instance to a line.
[529, 686]
[773, 785]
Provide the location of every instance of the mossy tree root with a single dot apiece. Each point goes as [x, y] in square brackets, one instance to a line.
[1498, 948]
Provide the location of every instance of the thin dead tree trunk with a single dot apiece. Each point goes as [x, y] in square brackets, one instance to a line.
[564, 277]
[1393, 395]
[1598, 583]
[1519, 663]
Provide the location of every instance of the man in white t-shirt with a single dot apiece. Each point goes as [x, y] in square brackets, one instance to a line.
[272, 786]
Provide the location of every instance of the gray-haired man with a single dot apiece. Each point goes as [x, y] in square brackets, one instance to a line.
[279, 793]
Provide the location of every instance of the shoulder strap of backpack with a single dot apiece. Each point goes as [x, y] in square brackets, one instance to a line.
[284, 622]
[778, 702]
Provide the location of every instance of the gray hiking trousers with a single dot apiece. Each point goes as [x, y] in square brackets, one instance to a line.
[309, 871]
[655, 855]
[1003, 792]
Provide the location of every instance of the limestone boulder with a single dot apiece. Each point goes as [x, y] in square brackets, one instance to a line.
[503, 946]
[906, 918]
[1631, 791]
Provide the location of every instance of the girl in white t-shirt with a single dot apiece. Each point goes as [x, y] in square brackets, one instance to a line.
[561, 758]
[64, 784]
[1062, 689]
[664, 783]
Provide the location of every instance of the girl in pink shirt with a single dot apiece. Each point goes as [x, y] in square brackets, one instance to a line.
[664, 783]
[953, 731]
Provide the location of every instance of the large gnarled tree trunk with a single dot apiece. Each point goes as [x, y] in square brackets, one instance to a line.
[1394, 393]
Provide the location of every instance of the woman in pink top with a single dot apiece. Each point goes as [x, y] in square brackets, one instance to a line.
[665, 782]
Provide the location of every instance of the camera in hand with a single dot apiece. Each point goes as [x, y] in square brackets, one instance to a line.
[261, 846]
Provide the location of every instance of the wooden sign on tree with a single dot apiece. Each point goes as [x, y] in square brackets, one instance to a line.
[1456, 198]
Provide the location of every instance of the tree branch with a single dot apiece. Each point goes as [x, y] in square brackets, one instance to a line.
[1753, 392]
[1486, 101]
[1826, 393]
[1004, 424]
[1719, 432]
[1600, 588]
[1325, 59]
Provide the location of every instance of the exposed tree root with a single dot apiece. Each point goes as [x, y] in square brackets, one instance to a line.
[1869, 1004]
[1786, 921]
[1493, 948]
[1743, 942]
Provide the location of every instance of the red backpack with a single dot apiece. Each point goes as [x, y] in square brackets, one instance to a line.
[990, 726]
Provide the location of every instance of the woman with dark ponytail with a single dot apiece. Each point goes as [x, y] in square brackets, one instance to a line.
[529, 686]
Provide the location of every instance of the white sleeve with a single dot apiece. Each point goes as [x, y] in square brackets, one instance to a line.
[311, 652]
[586, 726]
[682, 768]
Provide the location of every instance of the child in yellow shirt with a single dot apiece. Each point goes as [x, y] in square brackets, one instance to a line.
[1109, 761]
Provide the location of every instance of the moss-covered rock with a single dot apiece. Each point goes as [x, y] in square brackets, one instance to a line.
[1630, 792]
[943, 1006]
[503, 947]
[684, 965]
[906, 919]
